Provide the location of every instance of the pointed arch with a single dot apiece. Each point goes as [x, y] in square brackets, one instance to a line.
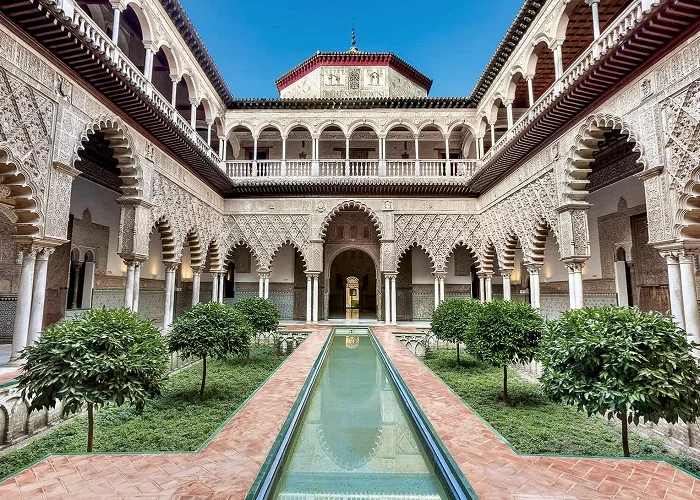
[116, 133]
[351, 205]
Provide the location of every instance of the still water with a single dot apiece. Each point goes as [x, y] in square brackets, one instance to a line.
[355, 439]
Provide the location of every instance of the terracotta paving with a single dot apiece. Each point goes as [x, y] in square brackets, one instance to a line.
[228, 465]
[225, 468]
[496, 472]
[9, 375]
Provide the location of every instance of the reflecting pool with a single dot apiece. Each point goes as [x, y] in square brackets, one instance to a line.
[355, 439]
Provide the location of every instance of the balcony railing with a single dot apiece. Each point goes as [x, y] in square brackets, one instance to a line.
[607, 41]
[352, 168]
[104, 45]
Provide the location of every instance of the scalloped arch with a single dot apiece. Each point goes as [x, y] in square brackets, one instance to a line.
[586, 142]
[400, 253]
[471, 246]
[121, 142]
[22, 193]
[240, 242]
[351, 205]
[296, 247]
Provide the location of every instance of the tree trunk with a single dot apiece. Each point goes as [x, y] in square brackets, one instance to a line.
[625, 440]
[204, 375]
[91, 426]
[457, 352]
[505, 384]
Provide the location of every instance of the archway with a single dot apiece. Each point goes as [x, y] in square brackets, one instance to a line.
[348, 265]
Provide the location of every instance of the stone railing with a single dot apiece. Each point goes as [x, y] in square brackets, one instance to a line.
[113, 54]
[285, 341]
[352, 168]
[607, 41]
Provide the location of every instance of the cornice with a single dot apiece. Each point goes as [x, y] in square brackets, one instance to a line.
[356, 103]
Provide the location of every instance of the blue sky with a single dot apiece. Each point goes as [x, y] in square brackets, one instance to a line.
[254, 42]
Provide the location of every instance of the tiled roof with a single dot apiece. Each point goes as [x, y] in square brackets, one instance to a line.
[352, 58]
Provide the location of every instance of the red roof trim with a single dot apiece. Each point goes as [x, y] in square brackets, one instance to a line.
[355, 59]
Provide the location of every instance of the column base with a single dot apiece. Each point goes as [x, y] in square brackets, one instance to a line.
[15, 362]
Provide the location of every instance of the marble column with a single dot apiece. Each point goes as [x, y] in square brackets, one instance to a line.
[509, 113]
[575, 284]
[530, 92]
[24, 302]
[137, 286]
[283, 167]
[482, 287]
[534, 271]
[493, 134]
[170, 270]
[415, 140]
[572, 297]
[488, 286]
[387, 300]
[221, 287]
[196, 285]
[314, 310]
[686, 261]
[75, 283]
[309, 297]
[674, 287]
[266, 286]
[214, 286]
[441, 281]
[115, 25]
[393, 299]
[129, 286]
[437, 291]
[36, 317]
[596, 20]
[506, 284]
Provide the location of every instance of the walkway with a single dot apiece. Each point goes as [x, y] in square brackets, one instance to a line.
[496, 472]
[226, 468]
[228, 465]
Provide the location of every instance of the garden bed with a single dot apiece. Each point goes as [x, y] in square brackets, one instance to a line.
[177, 421]
[532, 424]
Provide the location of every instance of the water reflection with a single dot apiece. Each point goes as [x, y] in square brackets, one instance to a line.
[355, 438]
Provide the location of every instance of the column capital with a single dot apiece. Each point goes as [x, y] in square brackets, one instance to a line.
[505, 273]
[171, 266]
[529, 78]
[533, 268]
[687, 255]
[45, 253]
[175, 78]
[312, 274]
[591, 2]
[195, 101]
[264, 274]
[197, 269]
[574, 267]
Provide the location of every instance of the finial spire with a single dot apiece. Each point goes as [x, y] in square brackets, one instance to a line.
[353, 43]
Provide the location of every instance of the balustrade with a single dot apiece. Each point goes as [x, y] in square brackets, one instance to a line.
[104, 45]
[608, 40]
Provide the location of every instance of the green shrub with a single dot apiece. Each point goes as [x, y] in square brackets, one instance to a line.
[210, 330]
[451, 318]
[504, 332]
[103, 356]
[621, 362]
[262, 314]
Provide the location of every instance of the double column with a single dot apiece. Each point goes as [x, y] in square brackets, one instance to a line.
[263, 284]
[439, 288]
[534, 272]
[312, 297]
[682, 291]
[390, 298]
[217, 289]
[575, 284]
[505, 275]
[170, 272]
[133, 281]
[29, 312]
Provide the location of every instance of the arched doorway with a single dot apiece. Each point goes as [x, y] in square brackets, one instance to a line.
[351, 271]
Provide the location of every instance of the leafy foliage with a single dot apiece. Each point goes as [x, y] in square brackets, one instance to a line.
[175, 421]
[532, 423]
[504, 332]
[210, 330]
[451, 319]
[262, 314]
[621, 362]
[103, 356]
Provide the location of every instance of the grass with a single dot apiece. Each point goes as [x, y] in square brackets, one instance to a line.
[177, 421]
[532, 424]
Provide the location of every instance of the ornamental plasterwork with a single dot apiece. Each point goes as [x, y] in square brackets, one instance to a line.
[519, 215]
[26, 127]
[184, 213]
[436, 234]
[266, 234]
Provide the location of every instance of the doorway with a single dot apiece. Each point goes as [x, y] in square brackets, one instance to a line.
[353, 286]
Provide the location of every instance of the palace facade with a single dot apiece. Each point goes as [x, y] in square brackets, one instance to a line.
[130, 175]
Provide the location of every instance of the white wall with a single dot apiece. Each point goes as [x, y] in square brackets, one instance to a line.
[282, 270]
[105, 211]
